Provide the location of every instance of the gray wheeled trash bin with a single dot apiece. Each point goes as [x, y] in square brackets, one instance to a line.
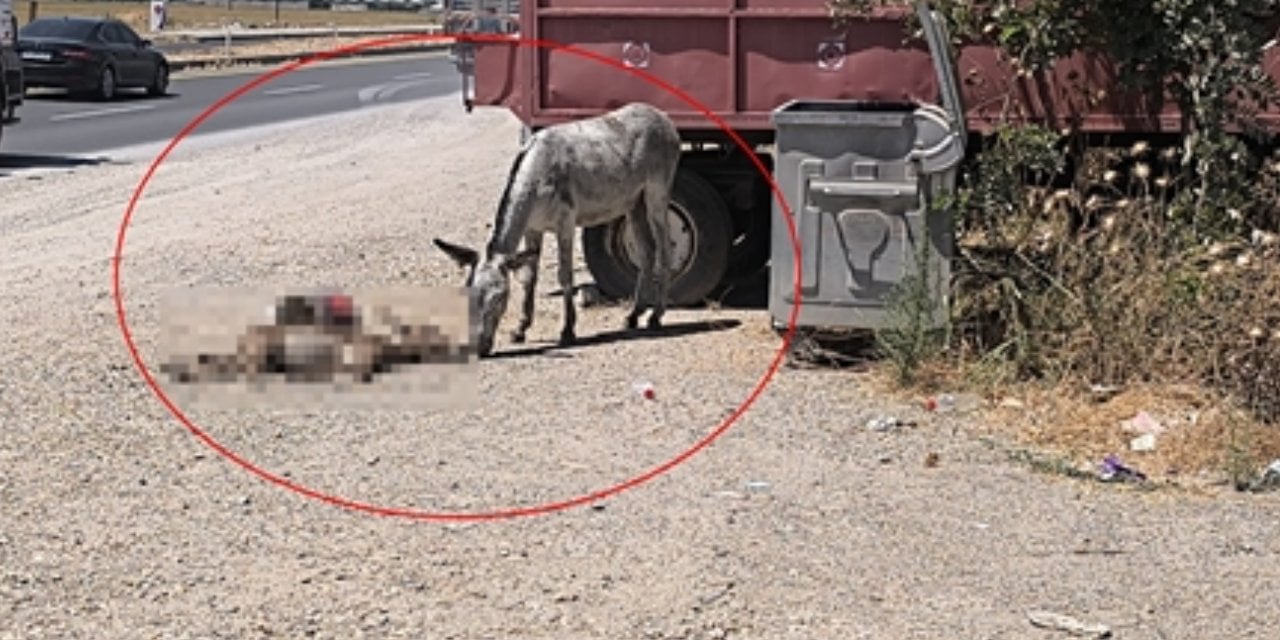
[855, 175]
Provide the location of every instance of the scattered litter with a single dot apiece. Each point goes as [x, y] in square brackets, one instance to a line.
[931, 460]
[1142, 423]
[645, 389]
[1059, 622]
[942, 403]
[757, 486]
[1012, 403]
[1270, 478]
[1115, 471]
[1102, 393]
[1145, 442]
[885, 423]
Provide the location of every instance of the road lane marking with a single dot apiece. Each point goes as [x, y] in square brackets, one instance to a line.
[95, 113]
[397, 88]
[386, 90]
[413, 76]
[284, 91]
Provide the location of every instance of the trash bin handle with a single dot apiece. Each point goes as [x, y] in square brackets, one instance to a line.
[936, 149]
[850, 188]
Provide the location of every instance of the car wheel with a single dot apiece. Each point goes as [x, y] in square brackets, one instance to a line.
[701, 229]
[107, 84]
[160, 83]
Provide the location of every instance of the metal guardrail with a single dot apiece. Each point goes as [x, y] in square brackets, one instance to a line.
[242, 34]
[228, 37]
[275, 58]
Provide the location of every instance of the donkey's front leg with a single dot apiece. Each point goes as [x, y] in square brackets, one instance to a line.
[528, 278]
[564, 242]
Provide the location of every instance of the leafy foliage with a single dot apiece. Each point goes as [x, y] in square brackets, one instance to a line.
[1123, 277]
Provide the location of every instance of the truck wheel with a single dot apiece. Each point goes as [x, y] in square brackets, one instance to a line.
[701, 230]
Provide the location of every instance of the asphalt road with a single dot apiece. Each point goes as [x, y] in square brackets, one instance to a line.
[54, 126]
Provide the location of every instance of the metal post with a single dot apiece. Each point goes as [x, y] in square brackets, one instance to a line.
[32, 10]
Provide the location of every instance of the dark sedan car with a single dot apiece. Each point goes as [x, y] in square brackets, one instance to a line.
[90, 55]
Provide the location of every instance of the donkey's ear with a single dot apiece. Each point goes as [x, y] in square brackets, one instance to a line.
[463, 256]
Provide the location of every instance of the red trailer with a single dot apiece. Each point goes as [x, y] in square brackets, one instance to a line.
[744, 58]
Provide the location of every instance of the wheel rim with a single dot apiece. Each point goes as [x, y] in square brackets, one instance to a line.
[162, 79]
[683, 240]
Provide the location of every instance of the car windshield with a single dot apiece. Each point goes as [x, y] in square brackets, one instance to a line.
[56, 28]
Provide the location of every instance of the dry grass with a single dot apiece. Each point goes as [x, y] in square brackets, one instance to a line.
[198, 16]
[1206, 438]
[1200, 437]
[1062, 290]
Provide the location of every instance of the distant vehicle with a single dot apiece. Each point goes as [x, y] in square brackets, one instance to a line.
[97, 56]
[11, 81]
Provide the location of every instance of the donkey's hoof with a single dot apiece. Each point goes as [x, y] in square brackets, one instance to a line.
[633, 321]
[655, 323]
[567, 338]
[517, 337]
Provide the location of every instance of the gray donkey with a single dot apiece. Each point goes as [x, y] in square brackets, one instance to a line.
[578, 174]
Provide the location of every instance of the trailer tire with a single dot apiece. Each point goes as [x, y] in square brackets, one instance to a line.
[700, 219]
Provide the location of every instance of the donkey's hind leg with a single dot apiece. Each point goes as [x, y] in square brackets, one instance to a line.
[564, 242]
[658, 225]
[643, 233]
[528, 277]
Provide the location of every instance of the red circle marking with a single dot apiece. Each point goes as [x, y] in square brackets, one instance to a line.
[414, 513]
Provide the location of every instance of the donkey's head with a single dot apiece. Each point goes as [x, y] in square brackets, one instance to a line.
[489, 284]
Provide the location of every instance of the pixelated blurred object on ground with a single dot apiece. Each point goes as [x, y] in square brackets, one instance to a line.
[373, 345]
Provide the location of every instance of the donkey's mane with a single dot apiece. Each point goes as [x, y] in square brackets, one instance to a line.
[500, 218]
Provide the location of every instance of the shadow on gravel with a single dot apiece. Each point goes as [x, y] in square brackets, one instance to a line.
[670, 330]
[10, 162]
[747, 292]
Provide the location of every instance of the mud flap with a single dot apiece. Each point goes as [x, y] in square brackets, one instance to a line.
[465, 62]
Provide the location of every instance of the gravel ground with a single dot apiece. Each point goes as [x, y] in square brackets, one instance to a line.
[798, 522]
